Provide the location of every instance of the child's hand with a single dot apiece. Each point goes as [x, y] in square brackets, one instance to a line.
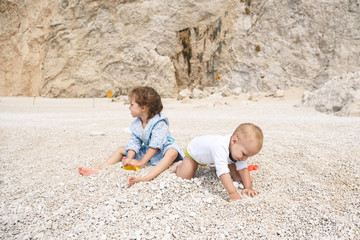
[135, 163]
[250, 192]
[126, 161]
[234, 196]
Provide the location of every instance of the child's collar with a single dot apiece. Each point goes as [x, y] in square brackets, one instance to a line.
[231, 158]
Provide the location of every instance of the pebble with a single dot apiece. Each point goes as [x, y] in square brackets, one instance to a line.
[97, 133]
[192, 214]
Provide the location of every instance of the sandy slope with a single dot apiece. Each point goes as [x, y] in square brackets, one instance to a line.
[308, 174]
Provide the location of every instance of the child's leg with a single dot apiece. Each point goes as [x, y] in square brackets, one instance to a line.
[186, 168]
[165, 162]
[115, 157]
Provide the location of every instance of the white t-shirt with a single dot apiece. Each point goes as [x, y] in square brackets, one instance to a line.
[213, 149]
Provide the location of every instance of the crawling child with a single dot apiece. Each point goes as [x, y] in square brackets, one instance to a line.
[228, 153]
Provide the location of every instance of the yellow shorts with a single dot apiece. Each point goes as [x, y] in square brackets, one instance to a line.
[188, 155]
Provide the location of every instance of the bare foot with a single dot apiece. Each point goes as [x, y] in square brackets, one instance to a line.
[87, 171]
[133, 180]
[176, 165]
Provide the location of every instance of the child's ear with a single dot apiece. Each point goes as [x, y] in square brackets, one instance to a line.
[234, 139]
[144, 108]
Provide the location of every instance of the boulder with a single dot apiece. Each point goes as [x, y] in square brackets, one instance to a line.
[340, 96]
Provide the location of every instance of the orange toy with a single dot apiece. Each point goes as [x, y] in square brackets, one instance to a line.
[252, 167]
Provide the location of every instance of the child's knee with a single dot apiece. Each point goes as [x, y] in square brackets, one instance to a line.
[172, 153]
[121, 149]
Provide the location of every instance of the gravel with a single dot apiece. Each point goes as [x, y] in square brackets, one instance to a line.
[308, 174]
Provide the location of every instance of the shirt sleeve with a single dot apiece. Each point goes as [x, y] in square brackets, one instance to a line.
[159, 135]
[133, 144]
[220, 156]
[240, 165]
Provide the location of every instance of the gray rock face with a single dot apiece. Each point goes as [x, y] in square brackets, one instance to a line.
[68, 48]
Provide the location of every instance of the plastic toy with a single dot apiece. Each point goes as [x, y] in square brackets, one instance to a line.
[252, 167]
[130, 167]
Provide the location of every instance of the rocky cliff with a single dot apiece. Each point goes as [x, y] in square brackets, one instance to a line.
[67, 48]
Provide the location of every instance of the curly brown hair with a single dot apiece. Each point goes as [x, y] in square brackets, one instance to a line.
[147, 96]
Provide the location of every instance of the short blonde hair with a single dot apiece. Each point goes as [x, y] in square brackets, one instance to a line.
[249, 130]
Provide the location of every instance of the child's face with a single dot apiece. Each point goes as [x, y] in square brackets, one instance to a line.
[241, 148]
[135, 109]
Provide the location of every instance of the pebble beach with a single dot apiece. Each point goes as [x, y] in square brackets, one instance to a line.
[308, 173]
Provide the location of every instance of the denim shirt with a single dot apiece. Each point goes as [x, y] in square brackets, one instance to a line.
[156, 134]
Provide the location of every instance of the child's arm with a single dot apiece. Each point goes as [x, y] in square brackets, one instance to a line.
[129, 157]
[229, 185]
[234, 173]
[130, 154]
[246, 180]
[148, 155]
